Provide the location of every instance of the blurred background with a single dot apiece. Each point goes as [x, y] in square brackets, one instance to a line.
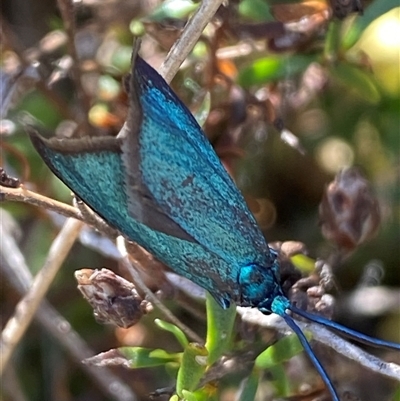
[289, 95]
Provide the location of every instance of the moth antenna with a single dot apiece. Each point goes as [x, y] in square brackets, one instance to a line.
[307, 348]
[355, 335]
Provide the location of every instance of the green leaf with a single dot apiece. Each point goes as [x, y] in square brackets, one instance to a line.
[140, 357]
[249, 389]
[333, 40]
[193, 366]
[162, 354]
[219, 328]
[176, 331]
[281, 381]
[207, 393]
[354, 78]
[280, 352]
[273, 68]
[172, 367]
[190, 396]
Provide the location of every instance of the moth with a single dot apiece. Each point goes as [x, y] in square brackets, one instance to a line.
[160, 183]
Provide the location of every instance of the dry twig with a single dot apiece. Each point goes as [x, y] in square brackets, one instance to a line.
[26, 308]
[188, 39]
[326, 337]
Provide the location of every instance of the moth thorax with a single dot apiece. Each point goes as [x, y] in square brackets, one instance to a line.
[259, 286]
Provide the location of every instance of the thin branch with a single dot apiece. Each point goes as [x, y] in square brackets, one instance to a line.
[85, 214]
[24, 195]
[13, 264]
[326, 337]
[27, 307]
[188, 39]
[94, 220]
[80, 212]
[128, 264]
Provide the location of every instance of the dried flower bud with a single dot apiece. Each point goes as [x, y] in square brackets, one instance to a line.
[292, 248]
[288, 272]
[309, 294]
[114, 300]
[349, 212]
[7, 181]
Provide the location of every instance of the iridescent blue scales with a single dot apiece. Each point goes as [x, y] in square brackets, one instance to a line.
[160, 183]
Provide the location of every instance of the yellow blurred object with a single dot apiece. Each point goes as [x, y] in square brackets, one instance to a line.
[381, 42]
[304, 263]
[334, 154]
[99, 116]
